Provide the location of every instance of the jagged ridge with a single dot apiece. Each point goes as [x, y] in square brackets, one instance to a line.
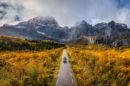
[47, 28]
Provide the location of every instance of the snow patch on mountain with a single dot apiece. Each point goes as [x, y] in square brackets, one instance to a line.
[41, 33]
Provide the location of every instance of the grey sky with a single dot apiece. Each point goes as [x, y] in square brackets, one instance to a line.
[67, 12]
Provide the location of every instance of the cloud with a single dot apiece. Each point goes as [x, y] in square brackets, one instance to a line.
[67, 12]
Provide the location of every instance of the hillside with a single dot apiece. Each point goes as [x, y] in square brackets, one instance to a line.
[26, 62]
[15, 43]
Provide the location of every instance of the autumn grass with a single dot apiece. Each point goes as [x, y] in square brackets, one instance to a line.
[29, 68]
[99, 65]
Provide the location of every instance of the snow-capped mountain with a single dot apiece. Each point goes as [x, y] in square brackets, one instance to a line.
[47, 28]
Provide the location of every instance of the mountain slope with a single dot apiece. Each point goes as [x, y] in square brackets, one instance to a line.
[47, 28]
[15, 43]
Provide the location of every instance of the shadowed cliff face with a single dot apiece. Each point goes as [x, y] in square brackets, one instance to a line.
[47, 28]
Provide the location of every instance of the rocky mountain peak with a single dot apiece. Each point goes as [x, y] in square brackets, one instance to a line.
[47, 28]
[43, 21]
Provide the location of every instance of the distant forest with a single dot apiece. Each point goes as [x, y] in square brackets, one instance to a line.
[12, 43]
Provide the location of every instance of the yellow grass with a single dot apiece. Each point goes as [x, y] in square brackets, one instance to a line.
[29, 68]
[100, 66]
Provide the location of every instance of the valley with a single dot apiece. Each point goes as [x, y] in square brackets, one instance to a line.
[31, 53]
[64, 42]
[26, 62]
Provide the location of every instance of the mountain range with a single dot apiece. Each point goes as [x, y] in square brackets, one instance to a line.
[47, 28]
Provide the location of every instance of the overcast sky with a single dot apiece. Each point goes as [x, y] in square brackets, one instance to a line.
[66, 12]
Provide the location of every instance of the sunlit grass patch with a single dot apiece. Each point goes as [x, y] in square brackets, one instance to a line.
[29, 68]
[100, 65]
